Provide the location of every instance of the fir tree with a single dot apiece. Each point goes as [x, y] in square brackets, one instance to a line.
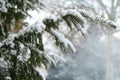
[22, 54]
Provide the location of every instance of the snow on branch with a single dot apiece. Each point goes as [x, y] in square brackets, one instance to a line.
[51, 23]
[42, 71]
[3, 63]
[1, 44]
[67, 43]
[75, 14]
[4, 5]
[78, 16]
[97, 18]
[9, 41]
[73, 17]
[31, 38]
[38, 27]
[53, 58]
[31, 47]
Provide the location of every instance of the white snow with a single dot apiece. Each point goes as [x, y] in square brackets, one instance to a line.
[13, 52]
[37, 27]
[98, 18]
[54, 58]
[117, 35]
[3, 63]
[42, 71]
[36, 15]
[24, 53]
[3, 6]
[10, 39]
[67, 43]
[103, 38]
[52, 52]
[51, 16]
[8, 78]
[1, 44]
[75, 13]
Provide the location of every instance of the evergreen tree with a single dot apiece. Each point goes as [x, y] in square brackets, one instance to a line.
[22, 54]
[12, 12]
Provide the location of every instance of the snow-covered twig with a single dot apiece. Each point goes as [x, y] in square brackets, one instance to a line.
[67, 43]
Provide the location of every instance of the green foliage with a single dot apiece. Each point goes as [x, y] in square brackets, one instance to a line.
[22, 69]
[16, 9]
[20, 53]
[12, 11]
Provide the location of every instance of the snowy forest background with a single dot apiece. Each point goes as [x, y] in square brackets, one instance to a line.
[59, 39]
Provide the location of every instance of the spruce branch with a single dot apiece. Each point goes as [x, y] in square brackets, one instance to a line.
[97, 18]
